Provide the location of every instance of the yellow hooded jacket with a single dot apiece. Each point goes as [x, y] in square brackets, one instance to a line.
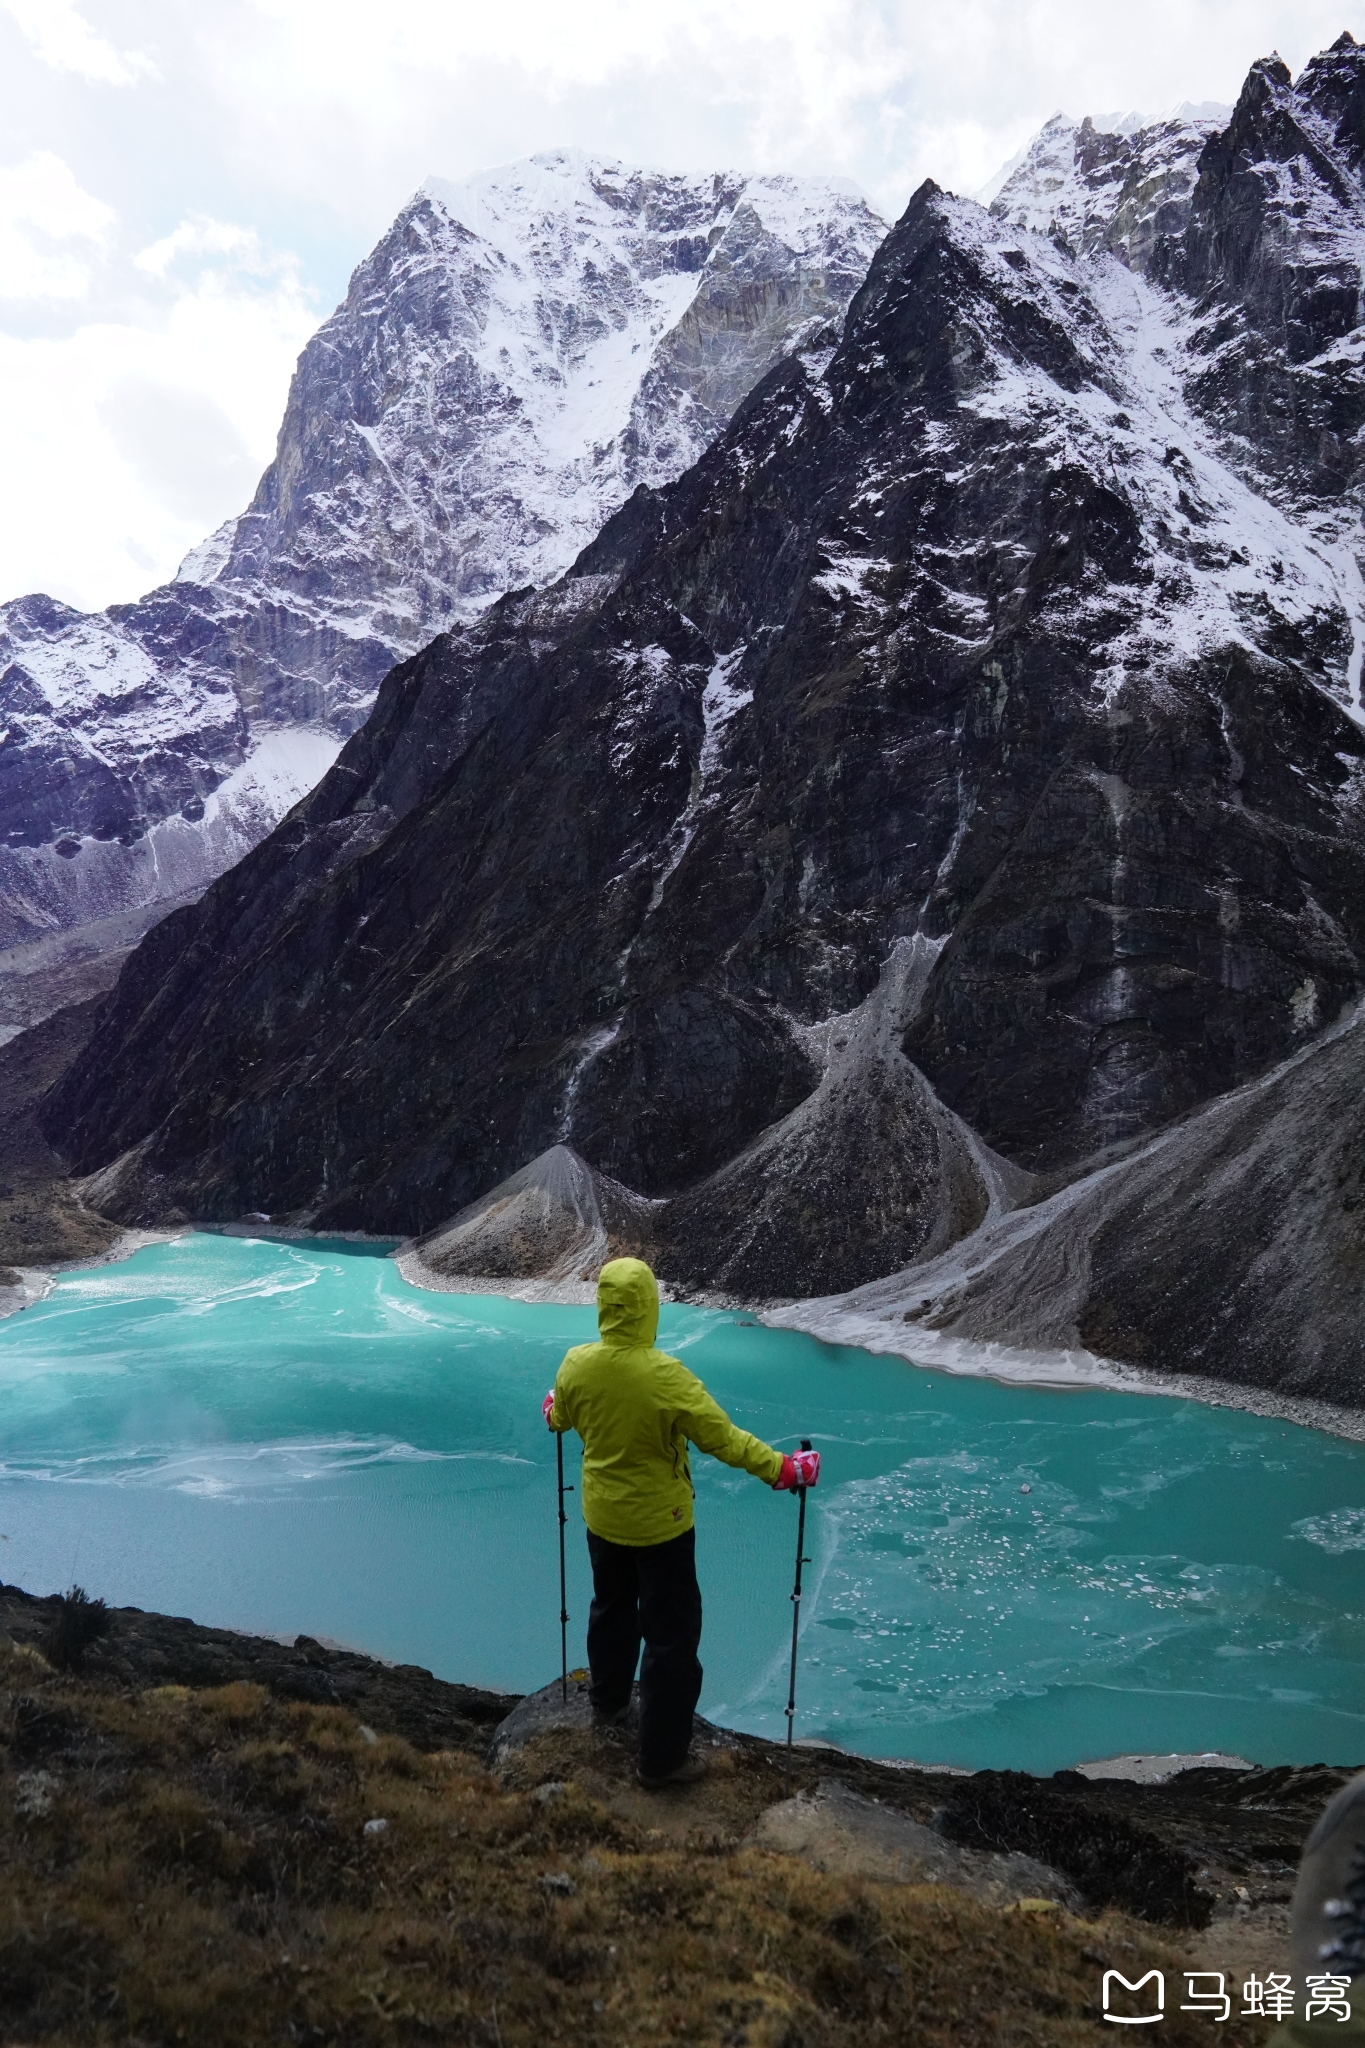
[637, 1410]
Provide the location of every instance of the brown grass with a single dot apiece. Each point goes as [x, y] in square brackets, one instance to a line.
[193, 1867]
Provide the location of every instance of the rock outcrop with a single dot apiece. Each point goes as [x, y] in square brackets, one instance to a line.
[844, 1832]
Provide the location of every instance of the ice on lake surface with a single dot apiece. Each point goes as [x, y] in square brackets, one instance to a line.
[288, 1438]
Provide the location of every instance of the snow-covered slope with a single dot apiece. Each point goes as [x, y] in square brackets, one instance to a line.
[1230, 330]
[518, 354]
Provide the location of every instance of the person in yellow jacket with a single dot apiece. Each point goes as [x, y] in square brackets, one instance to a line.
[637, 1411]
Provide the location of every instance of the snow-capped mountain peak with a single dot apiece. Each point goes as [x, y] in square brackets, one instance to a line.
[1044, 152]
[592, 325]
[519, 352]
[1096, 185]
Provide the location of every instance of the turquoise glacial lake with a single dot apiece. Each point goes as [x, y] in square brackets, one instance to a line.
[287, 1438]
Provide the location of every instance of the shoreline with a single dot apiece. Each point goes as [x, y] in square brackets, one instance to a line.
[37, 1282]
[412, 1268]
[1059, 1370]
[818, 1317]
[1010, 1365]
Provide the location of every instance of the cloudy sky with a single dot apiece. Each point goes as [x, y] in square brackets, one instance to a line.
[184, 188]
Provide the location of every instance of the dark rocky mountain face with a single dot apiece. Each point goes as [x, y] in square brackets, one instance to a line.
[984, 645]
[511, 360]
[1272, 260]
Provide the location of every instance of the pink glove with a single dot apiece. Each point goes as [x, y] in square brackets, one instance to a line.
[547, 1408]
[802, 1468]
[807, 1465]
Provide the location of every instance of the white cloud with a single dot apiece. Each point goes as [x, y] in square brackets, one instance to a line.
[182, 446]
[201, 235]
[343, 99]
[395, 94]
[58, 36]
[129, 440]
[305, 124]
[43, 211]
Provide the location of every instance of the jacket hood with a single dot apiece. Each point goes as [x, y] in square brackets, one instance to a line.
[627, 1303]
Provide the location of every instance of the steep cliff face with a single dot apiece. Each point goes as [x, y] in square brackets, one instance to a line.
[516, 355]
[1093, 191]
[130, 768]
[1273, 262]
[976, 632]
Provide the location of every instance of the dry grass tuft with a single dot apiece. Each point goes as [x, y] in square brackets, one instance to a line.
[196, 1867]
[79, 1622]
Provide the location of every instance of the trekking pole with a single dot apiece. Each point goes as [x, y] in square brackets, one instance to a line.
[808, 1465]
[563, 1595]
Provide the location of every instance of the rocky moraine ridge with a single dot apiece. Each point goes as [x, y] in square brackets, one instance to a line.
[939, 813]
[516, 355]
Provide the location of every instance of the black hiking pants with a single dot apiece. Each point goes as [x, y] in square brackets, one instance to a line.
[647, 1593]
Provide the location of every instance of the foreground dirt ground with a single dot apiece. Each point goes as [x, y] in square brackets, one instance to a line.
[315, 1850]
